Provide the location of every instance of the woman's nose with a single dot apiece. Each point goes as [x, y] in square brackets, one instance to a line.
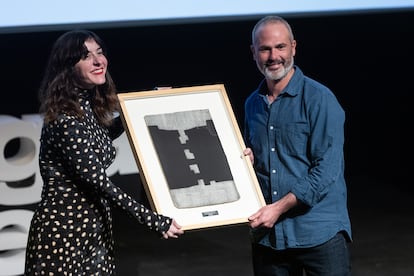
[97, 60]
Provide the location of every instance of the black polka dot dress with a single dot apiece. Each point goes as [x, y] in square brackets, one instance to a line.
[71, 230]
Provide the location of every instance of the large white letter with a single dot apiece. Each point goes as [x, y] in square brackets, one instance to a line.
[124, 161]
[14, 228]
[24, 164]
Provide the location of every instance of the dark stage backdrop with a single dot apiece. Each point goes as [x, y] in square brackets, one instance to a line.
[364, 58]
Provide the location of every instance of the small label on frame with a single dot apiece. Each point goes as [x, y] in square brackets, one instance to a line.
[210, 213]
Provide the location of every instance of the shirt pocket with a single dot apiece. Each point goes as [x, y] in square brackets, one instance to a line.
[292, 139]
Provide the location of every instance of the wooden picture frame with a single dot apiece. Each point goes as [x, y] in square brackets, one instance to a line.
[189, 152]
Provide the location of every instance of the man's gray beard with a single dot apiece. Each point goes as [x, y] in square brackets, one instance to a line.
[278, 76]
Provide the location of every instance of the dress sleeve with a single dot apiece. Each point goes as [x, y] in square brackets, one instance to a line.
[84, 160]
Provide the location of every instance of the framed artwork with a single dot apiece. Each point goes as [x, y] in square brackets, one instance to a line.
[189, 151]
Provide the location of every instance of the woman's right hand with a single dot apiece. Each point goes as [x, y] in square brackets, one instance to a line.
[174, 231]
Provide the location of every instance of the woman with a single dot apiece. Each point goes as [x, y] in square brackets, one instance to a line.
[71, 230]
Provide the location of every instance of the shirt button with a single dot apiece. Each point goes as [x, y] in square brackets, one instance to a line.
[274, 192]
[271, 127]
[272, 149]
[273, 171]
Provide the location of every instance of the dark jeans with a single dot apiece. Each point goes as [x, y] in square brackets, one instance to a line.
[328, 259]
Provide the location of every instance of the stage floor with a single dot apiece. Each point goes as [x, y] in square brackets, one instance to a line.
[383, 230]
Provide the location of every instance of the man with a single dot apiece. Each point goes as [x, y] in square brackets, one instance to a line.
[294, 132]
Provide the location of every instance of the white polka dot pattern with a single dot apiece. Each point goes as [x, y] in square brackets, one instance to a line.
[71, 230]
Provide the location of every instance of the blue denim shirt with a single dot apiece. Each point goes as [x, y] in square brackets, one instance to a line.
[298, 144]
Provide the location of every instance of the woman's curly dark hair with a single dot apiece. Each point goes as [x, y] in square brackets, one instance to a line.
[58, 91]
